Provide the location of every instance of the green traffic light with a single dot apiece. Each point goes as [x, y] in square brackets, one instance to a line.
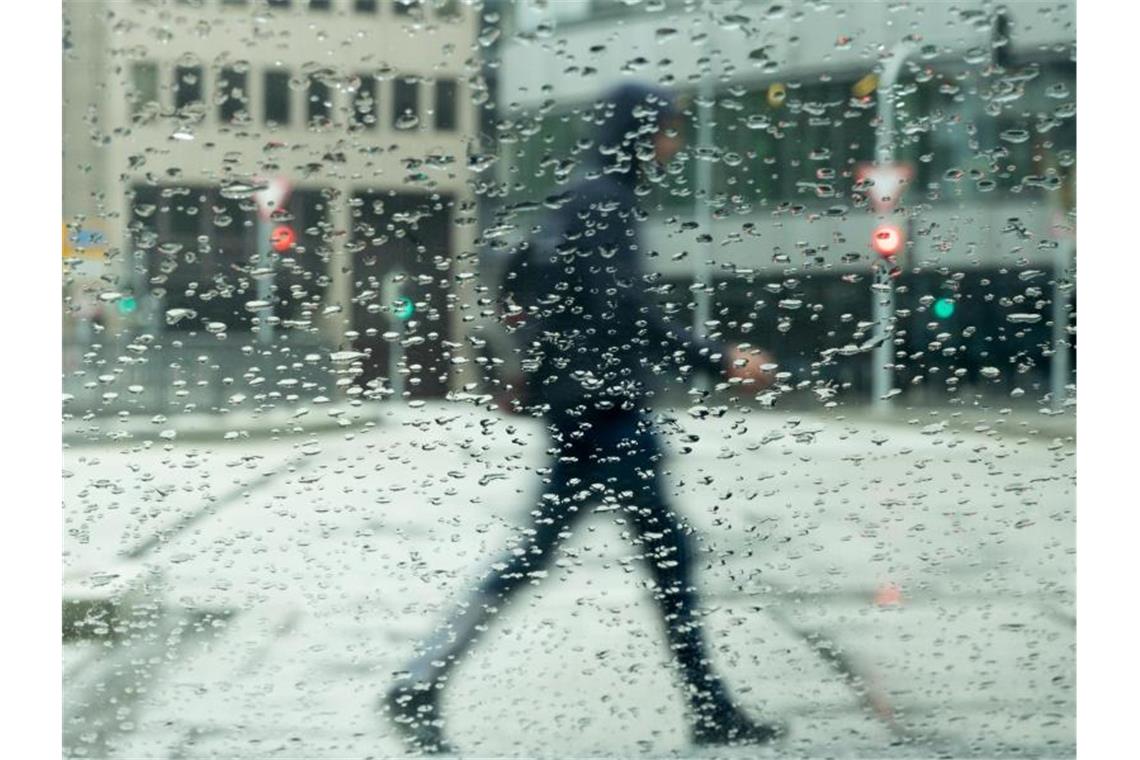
[944, 308]
[404, 308]
[128, 305]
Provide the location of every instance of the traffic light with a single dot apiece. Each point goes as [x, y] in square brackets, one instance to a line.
[865, 86]
[777, 94]
[887, 240]
[128, 305]
[944, 308]
[403, 308]
[282, 238]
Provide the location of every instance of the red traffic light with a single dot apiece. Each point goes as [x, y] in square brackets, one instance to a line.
[887, 240]
[282, 238]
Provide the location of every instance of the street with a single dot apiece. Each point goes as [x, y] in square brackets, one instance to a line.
[889, 589]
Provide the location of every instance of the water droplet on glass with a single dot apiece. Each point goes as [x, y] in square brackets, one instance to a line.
[174, 316]
[1015, 135]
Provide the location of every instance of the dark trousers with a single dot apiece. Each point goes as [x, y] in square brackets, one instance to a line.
[614, 459]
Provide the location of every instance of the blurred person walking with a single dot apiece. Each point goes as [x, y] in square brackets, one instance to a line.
[593, 343]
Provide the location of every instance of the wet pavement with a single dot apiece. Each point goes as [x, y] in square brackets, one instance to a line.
[889, 590]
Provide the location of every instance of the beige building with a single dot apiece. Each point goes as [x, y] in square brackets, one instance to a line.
[175, 111]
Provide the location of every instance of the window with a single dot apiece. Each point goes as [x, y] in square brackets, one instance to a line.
[445, 8]
[187, 85]
[364, 103]
[364, 6]
[277, 96]
[280, 3]
[445, 103]
[184, 269]
[320, 101]
[233, 95]
[143, 92]
[405, 7]
[405, 103]
[320, 5]
[300, 271]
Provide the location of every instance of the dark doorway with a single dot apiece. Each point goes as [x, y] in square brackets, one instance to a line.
[406, 233]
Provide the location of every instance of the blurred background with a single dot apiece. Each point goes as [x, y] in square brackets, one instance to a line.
[284, 226]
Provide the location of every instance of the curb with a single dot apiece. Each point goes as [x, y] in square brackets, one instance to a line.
[217, 428]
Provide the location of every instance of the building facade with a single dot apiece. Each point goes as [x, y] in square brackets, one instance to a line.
[780, 243]
[179, 116]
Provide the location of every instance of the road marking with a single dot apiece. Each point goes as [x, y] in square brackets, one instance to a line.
[293, 465]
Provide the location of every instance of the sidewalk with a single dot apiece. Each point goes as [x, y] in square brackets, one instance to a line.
[880, 590]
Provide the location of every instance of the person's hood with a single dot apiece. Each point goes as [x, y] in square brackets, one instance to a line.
[631, 113]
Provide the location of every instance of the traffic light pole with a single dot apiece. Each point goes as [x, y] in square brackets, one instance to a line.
[702, 211]
[389, 294]
[1062, 290]
[264, 282]
[883, 289]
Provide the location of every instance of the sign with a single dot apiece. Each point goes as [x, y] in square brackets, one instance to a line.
[274, 196]
[86, 241]
[883, 184]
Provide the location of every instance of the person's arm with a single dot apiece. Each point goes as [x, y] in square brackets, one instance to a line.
[679, 340]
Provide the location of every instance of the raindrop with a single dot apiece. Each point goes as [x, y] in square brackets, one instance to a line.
[976, 55]
[239, 189]
[1015, 135]
[758, 121]
[174, 316]
[478, 162]
[1022, 318]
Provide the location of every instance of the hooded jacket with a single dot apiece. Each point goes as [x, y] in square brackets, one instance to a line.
[591, 335]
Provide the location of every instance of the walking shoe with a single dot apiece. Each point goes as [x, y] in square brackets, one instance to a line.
[733, 727]
[415, 714]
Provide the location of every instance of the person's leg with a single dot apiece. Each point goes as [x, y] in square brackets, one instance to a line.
[413, 700]
[552, 517]
[666, 546]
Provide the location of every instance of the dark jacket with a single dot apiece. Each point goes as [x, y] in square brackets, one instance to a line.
[590, 334]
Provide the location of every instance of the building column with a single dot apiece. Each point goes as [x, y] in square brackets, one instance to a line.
[465, 279]
[335, 325]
